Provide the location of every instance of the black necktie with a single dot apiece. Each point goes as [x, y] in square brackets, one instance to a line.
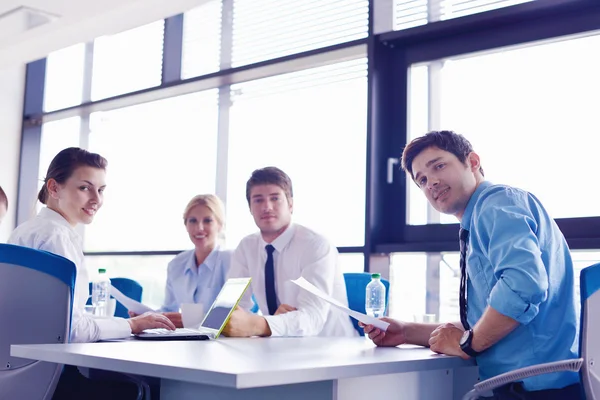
[270, 280]
[464, 237]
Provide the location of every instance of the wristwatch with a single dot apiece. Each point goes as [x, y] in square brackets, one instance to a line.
[465, 343]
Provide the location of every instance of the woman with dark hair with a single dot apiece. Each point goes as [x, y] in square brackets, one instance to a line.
[73, 192]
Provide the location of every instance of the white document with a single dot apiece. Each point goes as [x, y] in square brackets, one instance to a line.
[127, 302]
[192, 315]
[366, 319]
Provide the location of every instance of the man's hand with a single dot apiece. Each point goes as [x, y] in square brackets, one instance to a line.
[244, 324]
[446, 340]
[284, 308]
[394, 336]
[149, 320]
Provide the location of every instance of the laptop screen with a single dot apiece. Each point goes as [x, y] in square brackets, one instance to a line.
[225, 303]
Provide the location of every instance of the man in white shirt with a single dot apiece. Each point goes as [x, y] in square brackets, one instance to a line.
[281, 252]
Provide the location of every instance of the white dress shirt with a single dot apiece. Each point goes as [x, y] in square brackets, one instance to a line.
[49, 231]
[299, 251]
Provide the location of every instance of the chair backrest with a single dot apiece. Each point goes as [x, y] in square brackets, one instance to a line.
[356, 284]
[129, 288]
[589, 337]
[36, 296]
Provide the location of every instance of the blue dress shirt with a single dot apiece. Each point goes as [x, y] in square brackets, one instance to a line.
[201, 285]
[519, 264]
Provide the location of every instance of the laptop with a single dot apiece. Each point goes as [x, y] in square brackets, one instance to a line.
[215, 320]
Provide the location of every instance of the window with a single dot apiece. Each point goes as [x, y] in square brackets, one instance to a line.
[352, 262]
[312, 125]
[128, 61]
[517, 114]
[410, 13]
[148, 271]
[160, 155]
[201, 40]
[268, 29]
[409, 282]
[64, 78]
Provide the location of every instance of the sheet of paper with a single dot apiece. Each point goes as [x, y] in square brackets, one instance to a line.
[366, 319]
[192, 315]
[127, 302]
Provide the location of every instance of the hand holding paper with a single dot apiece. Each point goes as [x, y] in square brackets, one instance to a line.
[366, 319]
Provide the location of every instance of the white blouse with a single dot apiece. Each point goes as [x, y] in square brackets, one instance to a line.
[49, 231]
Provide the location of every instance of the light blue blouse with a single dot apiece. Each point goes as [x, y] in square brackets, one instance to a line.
[201, 285]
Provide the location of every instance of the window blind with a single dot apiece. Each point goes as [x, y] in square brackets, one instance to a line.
[268, 29]
[410, 13]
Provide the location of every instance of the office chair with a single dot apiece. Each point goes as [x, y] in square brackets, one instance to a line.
[589, 346]
[36, 298]
[356, 284]
[129, 288]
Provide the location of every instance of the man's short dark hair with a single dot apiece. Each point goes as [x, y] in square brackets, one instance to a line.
[270, 176]
[445, 140]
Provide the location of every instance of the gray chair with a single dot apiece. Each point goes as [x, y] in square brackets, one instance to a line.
[589, 346]
[36, 296]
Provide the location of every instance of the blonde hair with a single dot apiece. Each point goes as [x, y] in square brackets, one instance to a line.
[210, 201]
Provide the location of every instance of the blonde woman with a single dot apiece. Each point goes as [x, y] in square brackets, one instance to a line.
[197, 275]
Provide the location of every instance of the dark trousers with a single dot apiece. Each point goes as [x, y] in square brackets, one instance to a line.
[74, 386]
[515, 391]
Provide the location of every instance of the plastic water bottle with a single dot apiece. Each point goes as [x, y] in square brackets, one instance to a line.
[101, 293]
[375, 297]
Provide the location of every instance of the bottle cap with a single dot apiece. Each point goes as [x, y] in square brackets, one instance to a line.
[101, 271]
[376, 276]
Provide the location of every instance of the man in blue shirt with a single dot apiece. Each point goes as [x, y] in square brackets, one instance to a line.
[517, 300]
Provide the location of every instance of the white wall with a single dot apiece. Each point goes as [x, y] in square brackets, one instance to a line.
[12, 87]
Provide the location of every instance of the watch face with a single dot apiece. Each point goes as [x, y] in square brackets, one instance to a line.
[464, 337]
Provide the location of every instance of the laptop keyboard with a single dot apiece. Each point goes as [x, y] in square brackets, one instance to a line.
[179, 331]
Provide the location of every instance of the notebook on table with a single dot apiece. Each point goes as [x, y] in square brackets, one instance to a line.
[215, 320]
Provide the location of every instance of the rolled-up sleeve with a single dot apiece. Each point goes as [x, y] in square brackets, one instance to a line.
[508, 229]
[311, 315]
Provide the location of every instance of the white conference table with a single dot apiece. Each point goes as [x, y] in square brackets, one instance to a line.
[273, 368]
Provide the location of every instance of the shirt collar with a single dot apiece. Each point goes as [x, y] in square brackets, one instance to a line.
[465, 222]
[210, 261]
[283, 239]
[52, 215]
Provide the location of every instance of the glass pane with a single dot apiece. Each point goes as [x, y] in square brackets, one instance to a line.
[352, 262]
[148, 271]
[408, 282]
[268, 29]
[64, 78]
[128, 61]
[517, 106]
[201, 40]
[311, 124]
[158, 159]
[407, 285]
[449, 287]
